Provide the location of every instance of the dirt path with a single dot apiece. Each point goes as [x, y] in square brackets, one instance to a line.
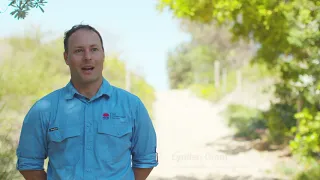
[194, 143]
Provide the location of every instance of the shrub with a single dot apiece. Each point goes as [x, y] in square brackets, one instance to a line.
[311, 173]
[306, 142]
[280, 119]
[245, 120]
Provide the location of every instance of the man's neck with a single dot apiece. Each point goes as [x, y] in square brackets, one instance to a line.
[88, 90]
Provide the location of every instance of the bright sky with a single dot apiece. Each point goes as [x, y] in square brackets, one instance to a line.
[135, 28]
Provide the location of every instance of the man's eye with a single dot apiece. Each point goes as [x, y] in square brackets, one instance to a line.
[78, 50]
[95, 49]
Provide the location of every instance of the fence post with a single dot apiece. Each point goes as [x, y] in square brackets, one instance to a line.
[224, 80]
[216, 74]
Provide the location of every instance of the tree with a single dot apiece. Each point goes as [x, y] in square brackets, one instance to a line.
[231, 53]
[288, 35]
[22, 7]
[280, 27]
[179, 67]
[193, 62]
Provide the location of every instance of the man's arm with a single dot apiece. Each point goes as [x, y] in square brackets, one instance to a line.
[34, 174]
[141, 173]
[144, 144]
[32, 151]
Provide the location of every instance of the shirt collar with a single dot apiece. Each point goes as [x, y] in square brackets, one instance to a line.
[105, 89]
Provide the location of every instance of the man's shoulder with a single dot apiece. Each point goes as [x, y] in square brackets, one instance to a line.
[124, 94]
[48, 101]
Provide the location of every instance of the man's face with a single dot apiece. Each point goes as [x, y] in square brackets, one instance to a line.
[85, 56]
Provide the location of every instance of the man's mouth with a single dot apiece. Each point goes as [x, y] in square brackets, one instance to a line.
[87, 68]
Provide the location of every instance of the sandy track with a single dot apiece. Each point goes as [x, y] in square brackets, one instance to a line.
[194, 143]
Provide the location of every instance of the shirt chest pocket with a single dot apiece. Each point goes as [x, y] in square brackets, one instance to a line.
[64, 145]
[113, 141]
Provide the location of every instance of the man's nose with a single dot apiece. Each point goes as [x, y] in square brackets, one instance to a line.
[87, 54]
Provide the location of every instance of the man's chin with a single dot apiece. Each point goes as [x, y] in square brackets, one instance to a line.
[89, 80]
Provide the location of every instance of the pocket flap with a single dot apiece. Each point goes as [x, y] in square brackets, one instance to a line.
[62, 134]
[118, 131]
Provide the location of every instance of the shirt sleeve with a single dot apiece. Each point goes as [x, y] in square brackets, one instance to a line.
[31, 151]
[144, 153]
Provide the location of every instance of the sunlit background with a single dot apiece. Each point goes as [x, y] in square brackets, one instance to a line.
[232, 87]
[136, 31]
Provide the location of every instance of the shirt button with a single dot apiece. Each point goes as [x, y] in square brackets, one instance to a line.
[88, 170]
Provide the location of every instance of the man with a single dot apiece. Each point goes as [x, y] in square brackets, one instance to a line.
[88, 129]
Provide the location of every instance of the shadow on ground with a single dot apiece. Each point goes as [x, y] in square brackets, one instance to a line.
[219, 177]
[230, 145]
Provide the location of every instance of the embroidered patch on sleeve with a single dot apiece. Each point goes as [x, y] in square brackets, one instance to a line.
[53, 129]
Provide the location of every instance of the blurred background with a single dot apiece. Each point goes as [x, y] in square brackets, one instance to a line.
[232, 86]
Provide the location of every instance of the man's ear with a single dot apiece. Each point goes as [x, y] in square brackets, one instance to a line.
[65, 56]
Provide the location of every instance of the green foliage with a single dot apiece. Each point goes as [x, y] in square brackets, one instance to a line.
[287, 169]
[205, 91]
[246, 121]
[209, 92]
[250, 73]
[288, 36]
[280, 27]
[307, 135]
[280, 119]
[310, 173]
[191, 64]
[115, 72]
[144, 91]
[22, 7]
[184, 64]
[196, 72]
[256, 72]
[7, 155]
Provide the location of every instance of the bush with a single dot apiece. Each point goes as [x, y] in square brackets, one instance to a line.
[246, 121]
[311, 173]
[7, 151]
[306, 142]
[280, 119]
[7, 159]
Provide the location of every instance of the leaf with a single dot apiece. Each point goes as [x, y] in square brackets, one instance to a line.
[14, 12]
[23, 7]
[41, 9]
[12, 3]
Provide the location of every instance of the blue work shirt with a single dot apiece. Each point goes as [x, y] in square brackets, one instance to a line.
[99, 138]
